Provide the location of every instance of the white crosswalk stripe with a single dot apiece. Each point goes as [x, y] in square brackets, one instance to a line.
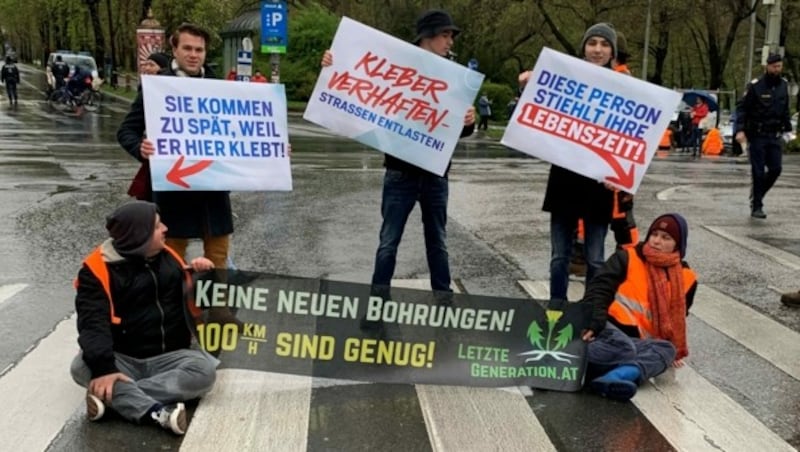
[249, 410]
[685, 407]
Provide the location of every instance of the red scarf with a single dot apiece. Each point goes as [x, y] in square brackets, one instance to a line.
[666, 297]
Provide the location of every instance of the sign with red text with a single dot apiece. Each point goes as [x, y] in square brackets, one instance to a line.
[213, 135]
[393, 96]
[590, 120]
[342, 330]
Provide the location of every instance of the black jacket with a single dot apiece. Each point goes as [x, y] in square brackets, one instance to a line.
[764, 109]
[148, 297]
[569, 193]
[603, 289]
[187, 214]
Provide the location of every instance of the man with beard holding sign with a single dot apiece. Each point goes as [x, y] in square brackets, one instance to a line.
[404, 184]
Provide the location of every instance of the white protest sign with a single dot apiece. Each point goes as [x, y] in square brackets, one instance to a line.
[393, 96]
[590, 119]
[216, 135]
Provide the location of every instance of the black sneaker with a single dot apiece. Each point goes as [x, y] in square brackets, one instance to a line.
[172, 418]
[791, 299]
[758, 213]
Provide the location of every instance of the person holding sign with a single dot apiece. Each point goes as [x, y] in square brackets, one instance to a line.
[640, 300]
[190, 214]
[570, 196]
[132, 330]
[404, 184]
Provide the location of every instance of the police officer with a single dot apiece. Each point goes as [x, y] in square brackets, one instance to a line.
[60, 71]
[762, 115]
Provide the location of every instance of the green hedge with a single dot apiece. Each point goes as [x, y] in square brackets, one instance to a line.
[793, 146]
[500, 95]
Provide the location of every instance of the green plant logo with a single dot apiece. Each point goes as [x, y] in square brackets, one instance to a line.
[549, 346]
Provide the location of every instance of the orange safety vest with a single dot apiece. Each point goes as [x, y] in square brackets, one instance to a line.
[631, 306]
[95, 263]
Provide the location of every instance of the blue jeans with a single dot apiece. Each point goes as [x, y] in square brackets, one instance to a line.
[401, 191]
[764, 151]
[562, 234]
[613, 348]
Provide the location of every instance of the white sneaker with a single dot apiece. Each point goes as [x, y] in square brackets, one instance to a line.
[172, 418]
[95, 408]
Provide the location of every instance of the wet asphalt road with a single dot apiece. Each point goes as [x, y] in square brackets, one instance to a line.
[60, 175]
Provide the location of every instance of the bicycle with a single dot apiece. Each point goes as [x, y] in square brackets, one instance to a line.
[63, 99]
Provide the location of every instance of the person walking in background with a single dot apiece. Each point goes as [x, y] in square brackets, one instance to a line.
[640, 300]
[132, 330]
[60, 71]
[9, 75]
[484, 111]
[699, 112]
[762, 116]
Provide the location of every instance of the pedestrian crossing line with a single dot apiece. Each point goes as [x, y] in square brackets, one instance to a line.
[38, 395]
[251, 410]
[462, 418]
[688, 410]
[776, 254]
[9, 290]
[765, 337]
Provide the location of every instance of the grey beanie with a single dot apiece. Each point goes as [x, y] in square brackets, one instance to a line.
[131, 227]
[603, 30]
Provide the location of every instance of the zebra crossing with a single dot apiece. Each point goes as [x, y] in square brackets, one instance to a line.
[247, 410]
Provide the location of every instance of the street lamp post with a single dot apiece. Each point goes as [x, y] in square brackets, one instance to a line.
[646, 41]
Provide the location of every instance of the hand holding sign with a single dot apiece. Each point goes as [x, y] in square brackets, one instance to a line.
[590, 120]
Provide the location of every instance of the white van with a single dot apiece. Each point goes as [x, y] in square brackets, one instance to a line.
[72, 59]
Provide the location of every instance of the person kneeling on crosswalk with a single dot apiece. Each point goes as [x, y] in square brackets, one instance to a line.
[640, 300]
[132, 329]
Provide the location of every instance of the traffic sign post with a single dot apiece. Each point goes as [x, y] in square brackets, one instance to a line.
[244, 61]
[274, 20]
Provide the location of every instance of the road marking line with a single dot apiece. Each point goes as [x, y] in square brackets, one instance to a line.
[765, 337]
[776, 254]
[692, 413]
[41, 379]
[462, 418]
[252, 410]
[9, 290]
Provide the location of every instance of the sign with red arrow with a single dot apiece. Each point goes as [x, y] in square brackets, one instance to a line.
[213, 135]
[590, 120]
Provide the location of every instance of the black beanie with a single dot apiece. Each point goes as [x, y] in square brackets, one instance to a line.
[603, 30]
[161, 59]
[131, 227]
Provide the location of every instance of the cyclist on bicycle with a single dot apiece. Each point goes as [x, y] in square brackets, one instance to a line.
[81, 80]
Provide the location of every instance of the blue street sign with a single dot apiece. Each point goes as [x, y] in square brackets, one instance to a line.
[473, 64]
[274, 17]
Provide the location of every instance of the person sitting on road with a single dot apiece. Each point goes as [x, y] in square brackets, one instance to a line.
[132, 326]
[640, 300]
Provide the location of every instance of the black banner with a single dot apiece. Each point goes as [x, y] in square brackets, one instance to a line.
[355, 331]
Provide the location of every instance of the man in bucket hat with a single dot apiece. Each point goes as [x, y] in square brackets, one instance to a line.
[405, 184]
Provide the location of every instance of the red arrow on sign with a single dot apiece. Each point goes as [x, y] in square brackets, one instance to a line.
[176, 173]
[621, 177]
